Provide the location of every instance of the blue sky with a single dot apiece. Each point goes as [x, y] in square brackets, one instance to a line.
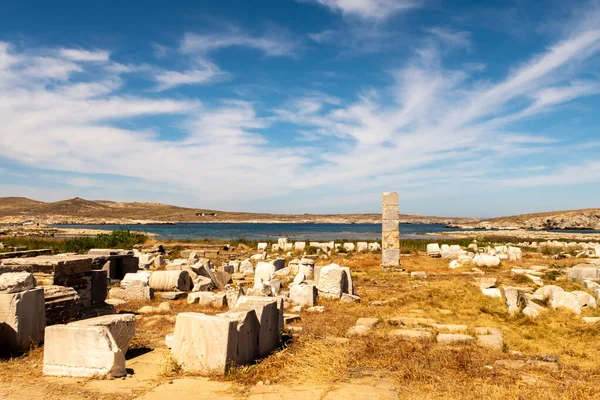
[297, 106]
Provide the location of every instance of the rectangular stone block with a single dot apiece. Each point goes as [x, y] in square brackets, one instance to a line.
[120, 326]
[303, 295]
[390, 240]
[99, 286]
[390, 257]
[248, 329]
[390, 225]
[390, 213]
[204, 343]
[22, 320]
[269, 317]
[390, 198]
[86, 351]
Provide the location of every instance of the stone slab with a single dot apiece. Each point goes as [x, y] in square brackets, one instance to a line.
[22, 319]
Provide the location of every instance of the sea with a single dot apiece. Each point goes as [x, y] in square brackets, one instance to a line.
[267, 232]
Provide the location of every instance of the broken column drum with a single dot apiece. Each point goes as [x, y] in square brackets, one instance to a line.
[390, 228]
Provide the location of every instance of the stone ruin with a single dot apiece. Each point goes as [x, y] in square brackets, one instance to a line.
[390, 228]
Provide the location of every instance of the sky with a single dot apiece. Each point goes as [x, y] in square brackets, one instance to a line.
[476, 109]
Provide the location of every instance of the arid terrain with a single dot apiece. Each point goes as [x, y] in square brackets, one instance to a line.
[81, 211]
[553, 356]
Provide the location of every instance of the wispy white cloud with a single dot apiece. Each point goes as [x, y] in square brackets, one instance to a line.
[272, 43]
[451, 37]
[85, 55]
[204, 72]
[368, 9]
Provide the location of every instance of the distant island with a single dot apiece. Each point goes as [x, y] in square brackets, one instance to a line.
[19, 210]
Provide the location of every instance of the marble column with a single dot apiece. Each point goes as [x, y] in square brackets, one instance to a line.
[390, 228]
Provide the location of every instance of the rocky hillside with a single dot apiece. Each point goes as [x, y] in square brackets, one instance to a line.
[573, 219]
[81, 211]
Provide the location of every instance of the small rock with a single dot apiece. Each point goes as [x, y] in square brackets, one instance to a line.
[418, 275]
[453, 338]
[174, 295]
[358, 330]
[368, 322]
[412, 334]
[319, 309]
[350, 298]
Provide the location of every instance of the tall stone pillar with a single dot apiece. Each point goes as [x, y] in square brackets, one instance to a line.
[390, 228]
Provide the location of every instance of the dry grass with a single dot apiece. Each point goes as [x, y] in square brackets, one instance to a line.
[422, 369]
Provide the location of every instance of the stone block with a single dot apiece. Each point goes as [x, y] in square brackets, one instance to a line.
[332, 281]
[412, 334]
[390, 225]
[390, 213]
[362, 246]
[374, 246]
[136, 290]
[62, 304]
[208, 299]
[120, 326]
[433, 250]
[307, 268]
[454, 338]
[264, 271]
[165, 281]
[138, 276]
[390, 257]
[22, 319]
[348, 246]
[299, 246]
[303, 295]
[583, 272]
[99, 286]
[204, 343]
[262, 246]
[15, 282]
[248, 329]
[390, 198]
[84, 351]
[281, 242]
[270, 319]
[391, 240]
[174, 295]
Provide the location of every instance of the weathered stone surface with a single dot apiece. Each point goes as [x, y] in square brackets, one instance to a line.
[210, 299]
[358, 330]
[362, 246]
[368, 322]
[486, 260]
[418, 275]
[492, 292]
[136, 290]
[22, 319]
[203, 284]
[332, 280]
[303, 295]
[138, 276]
[270, 318]
[173, 295]
[204, 343]
[165, 281]
[299, 246]
[514, 299]
[88, 348]
[307, 267]
[348, 286]
[99, 286]
[591, 320]
[451, 327]
[412, 334]
[14, 282]
[62, 304]
[348, 246]
[350, 298]
[262, 246]
[264, 271]
[121, 327]
[233, 294]
[248, 329]
[453, 338]
[410, 321]
[584, 299]
[374, 246]
[70, 270]
[491, 341]
[583, 272]
[485, 283]
[246, 267]
[433, 250]
[116, 302]
[565, 300]
[281, 243]
[548, 291]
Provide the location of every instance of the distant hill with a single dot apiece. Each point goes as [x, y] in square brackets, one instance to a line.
[82, 211]
[588, 218]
